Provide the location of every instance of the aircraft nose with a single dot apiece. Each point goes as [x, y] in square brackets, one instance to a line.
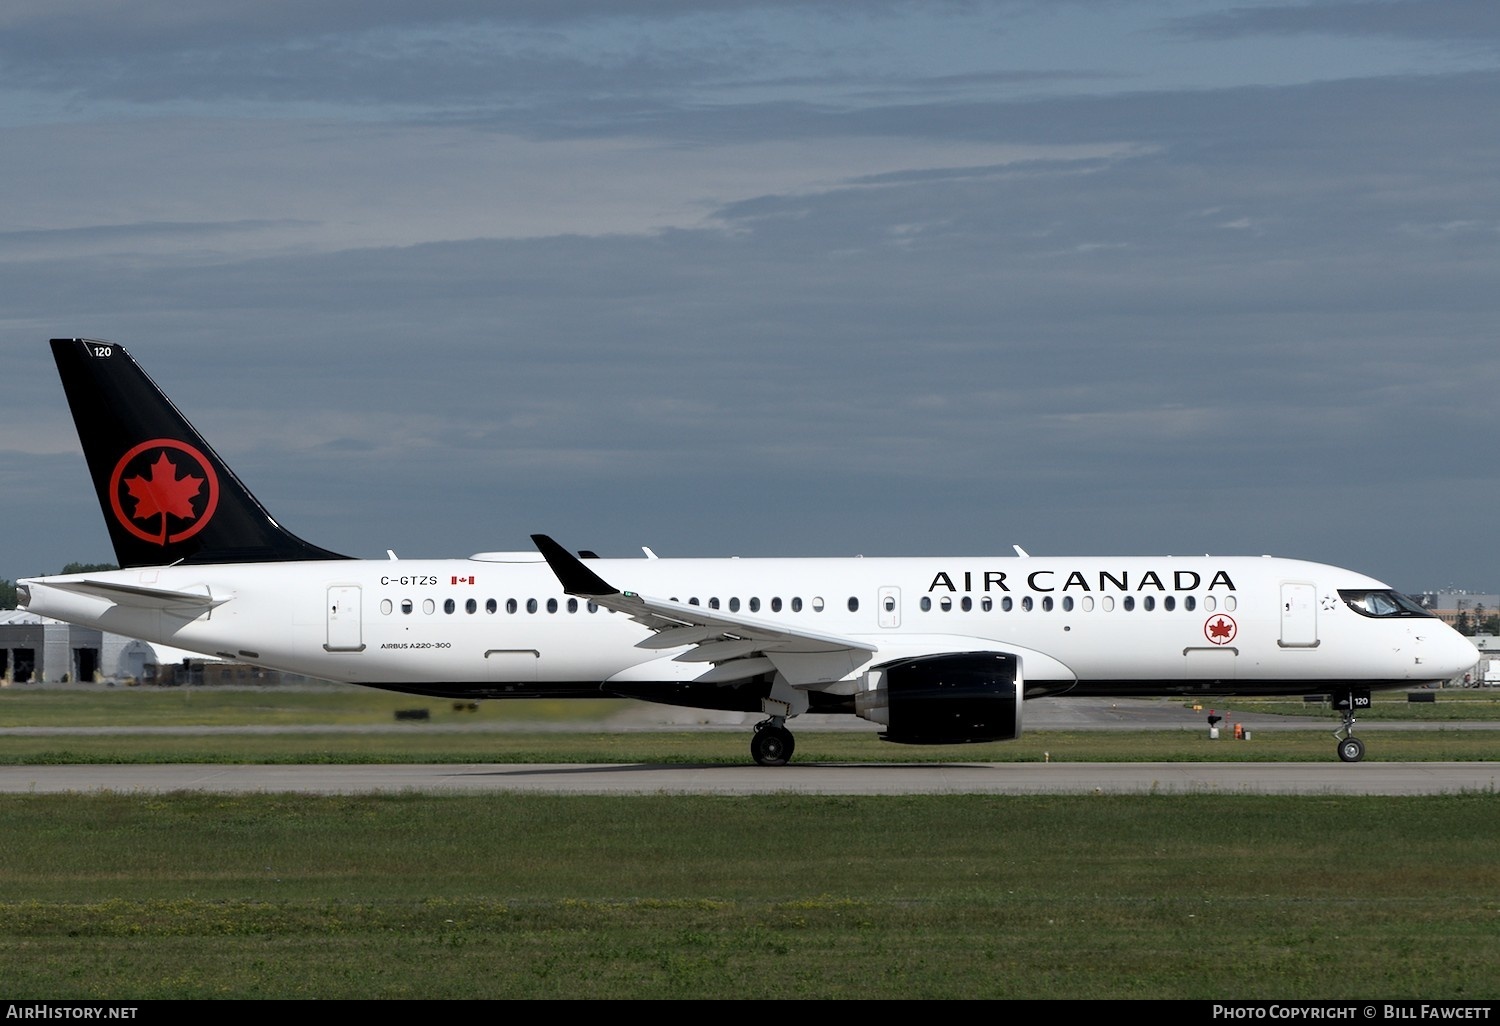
[1450, 654]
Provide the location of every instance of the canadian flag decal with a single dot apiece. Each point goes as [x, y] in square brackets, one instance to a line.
[463, 580]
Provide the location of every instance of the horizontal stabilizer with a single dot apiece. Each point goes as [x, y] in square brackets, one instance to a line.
[141, 597]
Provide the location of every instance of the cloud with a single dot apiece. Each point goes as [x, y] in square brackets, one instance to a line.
[1466, 22]
[885, 289]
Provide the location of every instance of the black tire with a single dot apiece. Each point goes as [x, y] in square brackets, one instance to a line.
[772, 746]
[1351, 749]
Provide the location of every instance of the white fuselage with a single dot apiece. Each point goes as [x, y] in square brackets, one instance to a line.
[500, 624]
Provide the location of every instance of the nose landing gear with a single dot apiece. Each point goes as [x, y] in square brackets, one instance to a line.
[1350, 748]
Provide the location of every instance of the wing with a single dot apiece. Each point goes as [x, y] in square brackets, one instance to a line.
[739, 647]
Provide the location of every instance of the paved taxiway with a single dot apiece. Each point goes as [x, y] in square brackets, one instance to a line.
[1370, 778]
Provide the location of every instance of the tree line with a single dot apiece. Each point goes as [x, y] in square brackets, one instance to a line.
[8, 587]
[1480, 621]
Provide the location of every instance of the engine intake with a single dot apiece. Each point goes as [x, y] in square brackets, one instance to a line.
[960, 698]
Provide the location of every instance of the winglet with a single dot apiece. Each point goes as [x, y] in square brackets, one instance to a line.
[576, 578]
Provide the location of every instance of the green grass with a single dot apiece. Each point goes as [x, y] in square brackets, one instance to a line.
[719, 747]
[27, 705]
[1456, 704]
[572, 731]
[119, 896]
[507, 896]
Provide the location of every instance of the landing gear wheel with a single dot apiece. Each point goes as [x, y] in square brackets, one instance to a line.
[772, 746]
[1351, 748]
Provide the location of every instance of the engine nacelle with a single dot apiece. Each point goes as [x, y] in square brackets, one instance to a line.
[952, 699]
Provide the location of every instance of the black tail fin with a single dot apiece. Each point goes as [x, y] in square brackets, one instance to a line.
[167, 497]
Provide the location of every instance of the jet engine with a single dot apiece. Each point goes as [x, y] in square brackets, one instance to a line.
[950, 699]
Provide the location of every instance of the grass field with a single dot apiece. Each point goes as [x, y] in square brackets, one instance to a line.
[346, 705]
[364, 728]
[193, 896]
[121, 896]
[728, 748]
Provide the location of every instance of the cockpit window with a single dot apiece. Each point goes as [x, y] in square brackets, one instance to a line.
[1381, 603]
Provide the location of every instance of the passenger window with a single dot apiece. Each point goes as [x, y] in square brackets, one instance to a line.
[1026, 603]
[572, 605]
[1188, 603]
[755, 605]
[552, 605]
[1007, 604]
[1067, 603]
[1149, 601]
[796, 605]
[1208, 603]
[1169, 603]
[531, 605]
[986, 604]
[853, 604]
[471, 606]
[967, 604]
[1127, 603]
[429, 606]
[947, 603]
[817, 603]
[1107, 603]
[713, 603]
[510, 605]
[406, 607]
[386, 607]
[734, 605]
[889, 603]
[926, 603]
[1088, 603]
[1046, 603]
[776, 605]
[490, 605]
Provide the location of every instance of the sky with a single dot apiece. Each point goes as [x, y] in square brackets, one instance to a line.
[774, 277]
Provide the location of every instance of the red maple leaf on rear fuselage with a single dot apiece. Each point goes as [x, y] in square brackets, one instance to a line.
[1219, 629]
[164, 493]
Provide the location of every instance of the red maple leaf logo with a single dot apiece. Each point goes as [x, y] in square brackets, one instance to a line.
[180, 484]
[1220, 629]
[164, 493]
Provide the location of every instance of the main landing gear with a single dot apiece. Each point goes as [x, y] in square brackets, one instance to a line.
[1351, 748]
[772, 743]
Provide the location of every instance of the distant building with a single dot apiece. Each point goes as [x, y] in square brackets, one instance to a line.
[1450, 605]
[34, 649]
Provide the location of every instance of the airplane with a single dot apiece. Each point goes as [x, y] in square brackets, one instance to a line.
[933, 650]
